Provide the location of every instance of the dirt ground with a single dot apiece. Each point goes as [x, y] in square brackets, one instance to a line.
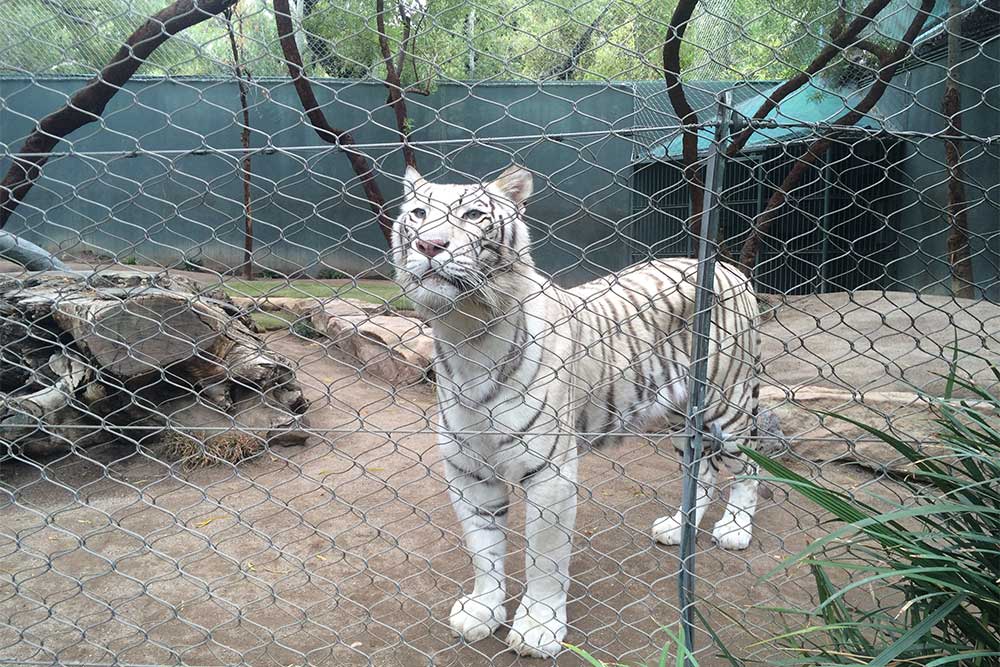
[345, 551]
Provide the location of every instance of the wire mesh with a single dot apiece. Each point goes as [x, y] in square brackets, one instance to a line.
[298, 369]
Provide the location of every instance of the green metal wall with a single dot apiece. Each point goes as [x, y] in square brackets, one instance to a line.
[913, 104]
[138, 186]
[134, 189]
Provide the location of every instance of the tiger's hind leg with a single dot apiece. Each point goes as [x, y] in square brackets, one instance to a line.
[734, 529]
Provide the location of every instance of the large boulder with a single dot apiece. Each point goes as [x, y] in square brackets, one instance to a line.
[394, 348]
[814, 435]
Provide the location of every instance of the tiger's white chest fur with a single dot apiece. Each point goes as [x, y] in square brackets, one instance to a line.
[497, 387]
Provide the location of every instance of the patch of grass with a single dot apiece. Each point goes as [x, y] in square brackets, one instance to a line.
[372, 291]
[674, 653]
[305, 329]
[272, 321]
[285, 321]
[376, 291]
[199, 449]
[295, 289]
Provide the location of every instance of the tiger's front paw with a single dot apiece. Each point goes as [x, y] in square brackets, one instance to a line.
[475, 617]
[538, 629]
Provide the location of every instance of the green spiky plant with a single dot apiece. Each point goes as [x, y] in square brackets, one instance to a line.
[939, 552]
[674, 647]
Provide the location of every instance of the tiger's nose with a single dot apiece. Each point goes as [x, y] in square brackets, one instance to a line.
[431, 247]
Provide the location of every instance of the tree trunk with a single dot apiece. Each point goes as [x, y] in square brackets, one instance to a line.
[393, 81]
[326, 132]
[959, 255]
[242, 76]
[687, 115]
[28, 255]
[87, 104]
[470, 35]
[298, 15]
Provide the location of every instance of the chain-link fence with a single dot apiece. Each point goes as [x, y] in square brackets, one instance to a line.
[298, 369]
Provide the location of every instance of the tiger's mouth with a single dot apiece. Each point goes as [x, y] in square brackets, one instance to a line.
[432, 277]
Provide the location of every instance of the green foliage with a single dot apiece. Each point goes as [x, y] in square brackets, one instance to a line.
[272, 321]
[295, 289]
[348, 29]
[939, 551]
[511, 39]
[515, 40]
[269, 274]
[328, 273]
[81, 37]
[673, 646]
[304, 329]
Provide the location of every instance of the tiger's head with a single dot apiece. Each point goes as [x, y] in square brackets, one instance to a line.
[462, 244]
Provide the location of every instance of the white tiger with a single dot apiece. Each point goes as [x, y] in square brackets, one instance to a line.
[526, 369]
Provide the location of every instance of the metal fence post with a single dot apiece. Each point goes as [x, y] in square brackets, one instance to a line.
[701, 329]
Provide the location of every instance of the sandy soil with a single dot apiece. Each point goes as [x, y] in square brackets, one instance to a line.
[345, 551]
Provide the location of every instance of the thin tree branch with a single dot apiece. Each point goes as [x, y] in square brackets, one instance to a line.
[87, 104]
[840, 21]
[469, 29]
[326, 132]
[748, 254]
[409, 43]
[242, 77]
[62, 10]
[413, 90]
[959, 251]
[412, 49]
[564, 71]
[395, 100]
[844, 39]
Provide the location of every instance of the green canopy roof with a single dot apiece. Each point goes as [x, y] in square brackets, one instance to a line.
[654, 114]
[797, 114]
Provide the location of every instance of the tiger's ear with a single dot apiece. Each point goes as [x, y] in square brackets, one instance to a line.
[516, 183]
[412, 180]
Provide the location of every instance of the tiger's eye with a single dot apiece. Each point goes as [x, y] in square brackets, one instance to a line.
[419, 213]
[472, 215]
